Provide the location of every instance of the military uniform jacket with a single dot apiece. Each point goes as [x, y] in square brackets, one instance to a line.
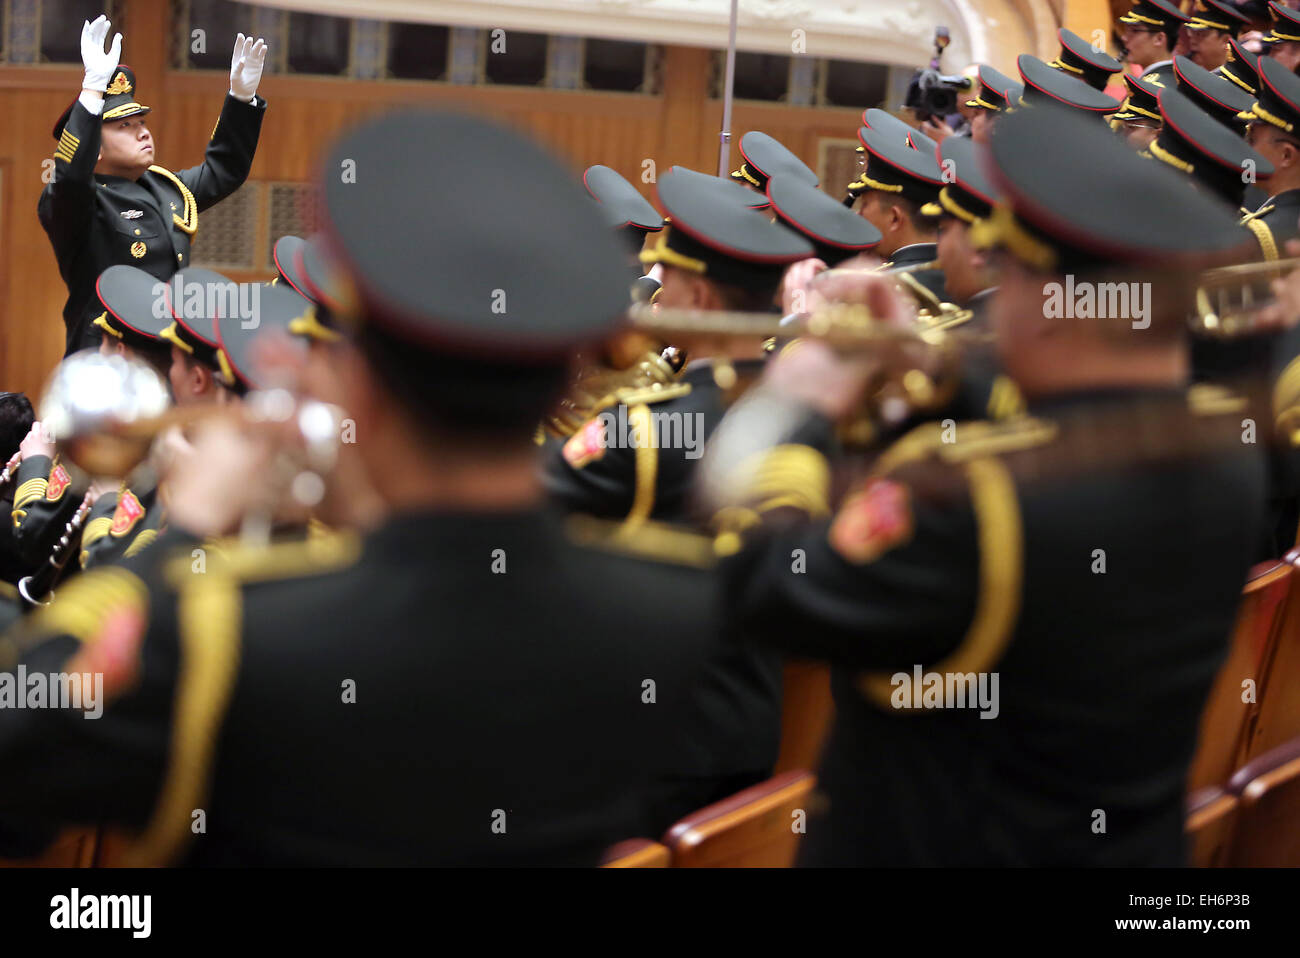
[931, 279]
[1277, 221]
[636, 459]
[1162, 74]
[492, 709]
[43, 505]
[95, 221]
[118, 527]
[1090, 557]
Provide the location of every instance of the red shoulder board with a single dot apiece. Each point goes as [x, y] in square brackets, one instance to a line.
[59, 482]
[585, 445]
[127, 514]
[872, 520]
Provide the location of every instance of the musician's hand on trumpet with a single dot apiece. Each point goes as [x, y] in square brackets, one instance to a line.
[36, 443]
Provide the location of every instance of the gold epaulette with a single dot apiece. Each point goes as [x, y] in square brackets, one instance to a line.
[1005, 399]
[231, 558]
[1207, 399]
[1264, 236]
[975, 439]
[189, 221]
[648, 395]
[656, 541]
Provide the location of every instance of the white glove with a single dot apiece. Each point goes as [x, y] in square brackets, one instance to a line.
[99, 65]
[246, 67]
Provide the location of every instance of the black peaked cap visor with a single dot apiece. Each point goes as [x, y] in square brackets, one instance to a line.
[1043, 84]
[765, 156]
[894, 167]
[1157, 219]
[823, 221]
[622, 203]
[465, 267]
[136, 306]
[713, 236]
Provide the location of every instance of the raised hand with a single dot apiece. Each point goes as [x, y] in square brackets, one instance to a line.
[99, 65]
[246, 65]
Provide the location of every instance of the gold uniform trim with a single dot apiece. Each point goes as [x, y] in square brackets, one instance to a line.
[1001, 570]
[744, 174]
[102, 322]
[308, 325]
[980, 101]
[647, 465]
[952, 206]
[67, 146]
[1001, 227]
[660, 253]
[190, 221]
[1257, 112]
[29, 492]
[1062, 65]
[1229, 75]
[1164, 156]
[864, 182]
[652, 540]
[85, 603]
[120, 111]
[209, 611]
[1200, 23]
[1286, 403]
[1274, 35]
[141, 542]
[174, 338]
[224, 362]
[1264, 235]
[1132, 17]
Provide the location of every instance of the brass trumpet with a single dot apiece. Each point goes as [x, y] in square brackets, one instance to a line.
[1230, 298]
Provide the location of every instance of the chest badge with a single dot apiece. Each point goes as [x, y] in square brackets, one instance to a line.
[138, 249]
[132, 214]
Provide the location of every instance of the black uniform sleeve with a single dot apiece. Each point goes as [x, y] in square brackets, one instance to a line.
[99, 757]
[890, 581]
[37, 520]
[229, 155]
[97, 546]
[67, 204]
[582, 475]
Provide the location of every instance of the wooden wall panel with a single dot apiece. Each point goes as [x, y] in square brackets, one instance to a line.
[680, 125]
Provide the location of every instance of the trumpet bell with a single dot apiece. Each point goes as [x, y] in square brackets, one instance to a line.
[95, 406]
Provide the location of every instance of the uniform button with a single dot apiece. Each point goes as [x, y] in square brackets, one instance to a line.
[137, 232]
[180, 257]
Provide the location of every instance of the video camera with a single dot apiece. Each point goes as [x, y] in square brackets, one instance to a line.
[931, 93]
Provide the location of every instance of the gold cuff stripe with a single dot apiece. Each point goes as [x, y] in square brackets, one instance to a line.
[30, 491]
[647, 465]
[67, 147]
[1001, 569]
[660, 253]
[795, 475]
[1265, 237]
[141, 542]
[190, 221]
[95, 530]
[209, 613]
[1160, 153]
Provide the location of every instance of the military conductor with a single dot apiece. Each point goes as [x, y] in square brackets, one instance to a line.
[108, 203]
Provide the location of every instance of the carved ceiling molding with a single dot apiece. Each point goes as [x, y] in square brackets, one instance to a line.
[882, 31]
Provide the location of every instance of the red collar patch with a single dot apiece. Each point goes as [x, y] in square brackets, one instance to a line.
[58, 484]
[127, 514]
[872, 520]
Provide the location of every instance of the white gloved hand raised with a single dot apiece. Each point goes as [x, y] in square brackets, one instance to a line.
[99, 65]
[246, 67]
